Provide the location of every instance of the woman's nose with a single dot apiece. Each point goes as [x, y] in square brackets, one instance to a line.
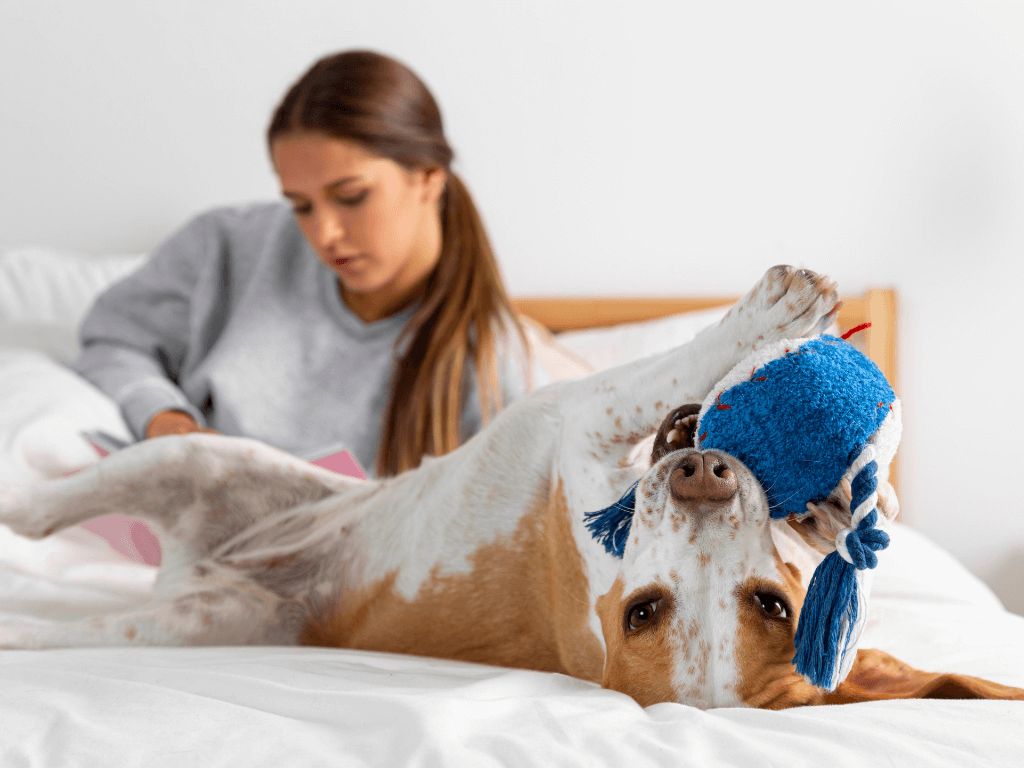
[330, 230]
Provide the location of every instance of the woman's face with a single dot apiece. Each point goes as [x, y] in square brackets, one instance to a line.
[372, 222]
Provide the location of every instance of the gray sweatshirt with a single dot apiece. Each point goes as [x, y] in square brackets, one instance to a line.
[235, 321]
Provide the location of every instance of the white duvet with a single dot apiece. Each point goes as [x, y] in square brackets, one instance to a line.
[310, 706]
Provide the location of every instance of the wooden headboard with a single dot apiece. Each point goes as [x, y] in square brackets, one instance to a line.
[876, 306]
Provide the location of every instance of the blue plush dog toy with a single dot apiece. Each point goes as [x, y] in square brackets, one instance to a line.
[802, 415]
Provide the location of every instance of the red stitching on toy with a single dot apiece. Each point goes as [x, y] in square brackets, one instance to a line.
[854, 330]
[704, 435]
[719, 405]
[761, 378]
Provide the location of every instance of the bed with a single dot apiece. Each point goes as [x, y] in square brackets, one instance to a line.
[313, 706]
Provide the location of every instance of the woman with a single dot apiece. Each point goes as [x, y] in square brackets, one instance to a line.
[371, 313]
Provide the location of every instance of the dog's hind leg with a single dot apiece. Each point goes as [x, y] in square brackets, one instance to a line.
[196, 491]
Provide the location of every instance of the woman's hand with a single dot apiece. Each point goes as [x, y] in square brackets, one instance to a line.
[173, 423]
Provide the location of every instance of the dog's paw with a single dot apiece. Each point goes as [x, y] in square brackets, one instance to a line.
[787, 303]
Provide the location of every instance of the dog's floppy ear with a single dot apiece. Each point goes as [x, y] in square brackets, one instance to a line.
[876, 675]
[676, 431]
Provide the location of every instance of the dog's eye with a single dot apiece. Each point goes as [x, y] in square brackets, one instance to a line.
[774, 607]
[641, 614]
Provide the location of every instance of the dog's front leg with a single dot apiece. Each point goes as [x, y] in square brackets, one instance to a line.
[609, 413]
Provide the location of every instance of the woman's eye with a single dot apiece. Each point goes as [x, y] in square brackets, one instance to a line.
[302, 210]
[641, 614]
[774, 607]
[352, 201]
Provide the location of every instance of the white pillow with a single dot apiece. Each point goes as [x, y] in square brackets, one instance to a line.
[44, 294]
[607, 347]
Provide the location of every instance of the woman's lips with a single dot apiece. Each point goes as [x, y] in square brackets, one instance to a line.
[344, 261]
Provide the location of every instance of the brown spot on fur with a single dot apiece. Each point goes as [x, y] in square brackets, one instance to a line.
[693, 630]
[631, 439]
[609, 411]
[618, 422]
[525, 604]
[704, 558]
[130, 633]
[201, 571]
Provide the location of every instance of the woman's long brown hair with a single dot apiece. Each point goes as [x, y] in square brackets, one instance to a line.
[379, 103]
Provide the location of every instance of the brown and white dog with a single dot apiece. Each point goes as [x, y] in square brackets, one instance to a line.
[482, 555]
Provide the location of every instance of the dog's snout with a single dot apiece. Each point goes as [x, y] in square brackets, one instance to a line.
[702, 477]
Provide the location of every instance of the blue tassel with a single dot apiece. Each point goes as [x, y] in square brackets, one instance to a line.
[832, 598]
[610, 526]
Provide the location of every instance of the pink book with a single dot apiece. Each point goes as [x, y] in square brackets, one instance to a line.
[136, 541]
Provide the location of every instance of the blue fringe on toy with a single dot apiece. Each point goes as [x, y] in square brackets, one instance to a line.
[610, 526]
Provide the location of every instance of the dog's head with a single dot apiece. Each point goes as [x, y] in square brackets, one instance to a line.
[704, 608]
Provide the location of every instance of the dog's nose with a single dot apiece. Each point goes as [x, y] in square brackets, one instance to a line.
[702, 477]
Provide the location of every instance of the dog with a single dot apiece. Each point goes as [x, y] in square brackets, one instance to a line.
[483, 555]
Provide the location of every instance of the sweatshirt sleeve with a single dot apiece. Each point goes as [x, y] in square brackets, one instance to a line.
[135, 338]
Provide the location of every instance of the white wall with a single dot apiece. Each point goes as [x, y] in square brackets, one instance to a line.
[670, 148]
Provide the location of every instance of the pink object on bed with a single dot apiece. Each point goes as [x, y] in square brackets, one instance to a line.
[342, 463]
[132, 538]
